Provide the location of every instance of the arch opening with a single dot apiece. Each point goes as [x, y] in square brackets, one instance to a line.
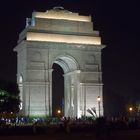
[64, 86]
[57, 91]
[67, 63]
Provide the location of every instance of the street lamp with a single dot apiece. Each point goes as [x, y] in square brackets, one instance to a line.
[98, 100]
[130, 110]
[59, 112]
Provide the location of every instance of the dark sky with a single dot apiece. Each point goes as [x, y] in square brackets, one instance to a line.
[117, 20]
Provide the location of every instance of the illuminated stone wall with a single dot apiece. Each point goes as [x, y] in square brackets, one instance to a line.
[67, 39]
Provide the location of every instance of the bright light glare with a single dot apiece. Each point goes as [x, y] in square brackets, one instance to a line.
[58, 111]
[98, 99]
[130, 108]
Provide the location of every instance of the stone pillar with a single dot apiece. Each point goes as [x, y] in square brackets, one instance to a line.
[66, 95]
[50, 90]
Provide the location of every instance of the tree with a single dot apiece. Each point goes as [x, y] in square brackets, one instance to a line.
[9, 97]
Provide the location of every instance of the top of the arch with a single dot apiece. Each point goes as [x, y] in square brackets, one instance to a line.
[61, 13]
[60, 26]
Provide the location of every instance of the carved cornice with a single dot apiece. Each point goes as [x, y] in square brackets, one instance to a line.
[53, 45]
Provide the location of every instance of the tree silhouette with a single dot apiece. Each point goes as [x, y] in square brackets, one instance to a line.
[9, 97]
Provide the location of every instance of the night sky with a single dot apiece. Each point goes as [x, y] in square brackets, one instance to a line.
[119, 24]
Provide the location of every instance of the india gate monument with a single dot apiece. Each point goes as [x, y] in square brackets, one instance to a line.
[65, 38]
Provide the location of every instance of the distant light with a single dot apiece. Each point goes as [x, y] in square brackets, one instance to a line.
[98, 98]
[58, 111]
[130, 109]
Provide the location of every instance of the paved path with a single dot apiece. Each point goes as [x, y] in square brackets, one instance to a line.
[120, 135]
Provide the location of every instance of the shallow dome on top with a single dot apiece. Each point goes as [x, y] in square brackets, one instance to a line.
[59, 9]
[61, 13]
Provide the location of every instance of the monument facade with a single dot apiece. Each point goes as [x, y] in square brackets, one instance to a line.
[61, 37]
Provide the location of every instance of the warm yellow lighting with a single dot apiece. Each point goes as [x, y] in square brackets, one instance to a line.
[130, 109]
[31, 36]
[98, 99]
[62, 15]
[59, 111]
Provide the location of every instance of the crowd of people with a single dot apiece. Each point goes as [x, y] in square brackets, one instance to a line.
[122, 122]
[69, 125]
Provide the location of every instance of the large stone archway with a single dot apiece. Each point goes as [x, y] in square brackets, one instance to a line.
[67, 39]
[71, 85]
